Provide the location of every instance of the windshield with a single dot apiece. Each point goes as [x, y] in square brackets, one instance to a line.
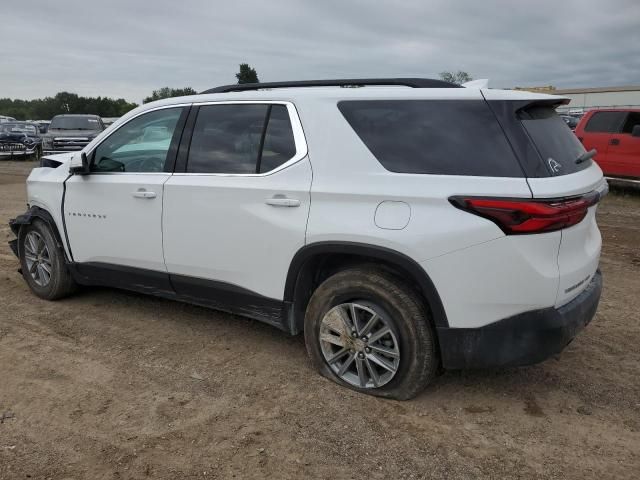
[18, 128]
[556, 143]
[75, 123]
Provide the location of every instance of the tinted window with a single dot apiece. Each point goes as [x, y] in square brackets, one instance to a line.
[555, 142]
[226, 139]
[240, 139]
[606, 122]
[279, 145]
[140, 145]
[632, 120]
[448, 137]
[75, 123]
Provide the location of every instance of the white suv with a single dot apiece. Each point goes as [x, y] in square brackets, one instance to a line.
[404, 225]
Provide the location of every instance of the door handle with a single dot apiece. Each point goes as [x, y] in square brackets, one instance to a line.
[142, 193]
[614, 141]
[282, 201]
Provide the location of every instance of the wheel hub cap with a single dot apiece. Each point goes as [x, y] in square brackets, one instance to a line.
[37, 258]
[359, 345]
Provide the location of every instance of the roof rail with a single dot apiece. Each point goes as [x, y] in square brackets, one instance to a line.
[345, 82]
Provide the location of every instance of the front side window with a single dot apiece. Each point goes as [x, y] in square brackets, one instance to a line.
[140, 145]
[241, 139]
[605, 122]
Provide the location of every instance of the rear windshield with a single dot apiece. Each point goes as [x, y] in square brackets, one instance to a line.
[445, 137]
[557, 145]
[75, 123]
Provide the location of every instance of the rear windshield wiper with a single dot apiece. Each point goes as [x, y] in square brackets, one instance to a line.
[586, 156]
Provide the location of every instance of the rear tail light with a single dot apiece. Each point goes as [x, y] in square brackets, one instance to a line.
[521, 216]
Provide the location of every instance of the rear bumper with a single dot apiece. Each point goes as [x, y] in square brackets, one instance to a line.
[523, 339]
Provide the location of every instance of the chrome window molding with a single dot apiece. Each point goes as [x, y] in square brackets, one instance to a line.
[296, 126]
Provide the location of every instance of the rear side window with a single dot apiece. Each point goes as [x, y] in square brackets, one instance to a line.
[442, 137]
[632, 120]
[557, 145]
[241, 139]
[605, 122]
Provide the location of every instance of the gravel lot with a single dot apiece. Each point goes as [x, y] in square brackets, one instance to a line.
[114, 385]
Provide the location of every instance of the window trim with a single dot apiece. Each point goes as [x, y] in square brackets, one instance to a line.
[91, 152]
[298, 137]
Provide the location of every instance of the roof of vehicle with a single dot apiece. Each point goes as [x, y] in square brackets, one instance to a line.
[303, 93]
[593, 110]
[77, 115]
[344, 82]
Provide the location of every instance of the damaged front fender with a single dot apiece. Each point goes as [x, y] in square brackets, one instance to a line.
[26, 219]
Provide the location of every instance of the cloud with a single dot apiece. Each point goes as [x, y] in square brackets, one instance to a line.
[124, 48]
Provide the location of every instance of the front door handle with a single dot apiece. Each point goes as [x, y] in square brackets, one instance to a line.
[142, 193]
[614, 141]
[281, 201]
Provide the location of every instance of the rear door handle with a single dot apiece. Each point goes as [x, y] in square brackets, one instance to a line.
[614, 141]
[142, 193]
[282, 202]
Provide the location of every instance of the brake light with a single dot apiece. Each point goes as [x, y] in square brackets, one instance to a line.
[521, 216]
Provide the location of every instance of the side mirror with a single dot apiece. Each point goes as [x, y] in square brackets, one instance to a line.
[635, 132]
[79, 164]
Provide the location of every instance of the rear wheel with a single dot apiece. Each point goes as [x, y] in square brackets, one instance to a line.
[42, 261]
[366, 330]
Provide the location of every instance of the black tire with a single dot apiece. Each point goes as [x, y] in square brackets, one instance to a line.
[36, 155]
[405, 314]
[60, 283]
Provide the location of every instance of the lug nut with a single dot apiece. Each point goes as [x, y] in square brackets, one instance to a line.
[367, 349]
[354, 334]
[361, 355]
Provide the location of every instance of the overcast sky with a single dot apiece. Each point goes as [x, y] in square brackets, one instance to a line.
[127, 48]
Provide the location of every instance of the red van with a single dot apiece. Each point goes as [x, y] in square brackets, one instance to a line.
[615, 134]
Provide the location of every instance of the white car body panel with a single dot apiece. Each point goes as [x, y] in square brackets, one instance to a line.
[106, 223]
[219, 227]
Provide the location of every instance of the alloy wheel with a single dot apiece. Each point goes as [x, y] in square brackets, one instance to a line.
[37, 258]
[359, 345]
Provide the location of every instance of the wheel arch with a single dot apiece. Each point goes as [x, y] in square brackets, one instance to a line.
[315, 262]
[32, 214]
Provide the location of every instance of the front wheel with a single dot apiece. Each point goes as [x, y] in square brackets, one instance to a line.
[42, 262]
[365, 329]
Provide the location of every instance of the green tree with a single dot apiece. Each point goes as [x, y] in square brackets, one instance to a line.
[247, 74]
[166, 92]
[63, 102]
[458, 77]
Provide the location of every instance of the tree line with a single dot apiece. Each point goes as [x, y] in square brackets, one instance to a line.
[65, 102]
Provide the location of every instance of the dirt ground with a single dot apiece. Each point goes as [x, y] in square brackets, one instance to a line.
[114, 385]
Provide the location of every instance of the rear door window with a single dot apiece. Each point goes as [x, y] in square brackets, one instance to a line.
[605, 122]
[556, 144]
[241, 139]
[443, 137]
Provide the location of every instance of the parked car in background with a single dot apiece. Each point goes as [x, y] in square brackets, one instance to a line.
[108, 121]
[571, 121]
[43, 125]
[71, 133]
[615, 135]
[19, 140]
[4, 119]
